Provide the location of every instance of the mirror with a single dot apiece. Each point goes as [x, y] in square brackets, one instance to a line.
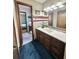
[58, 18]
[60, 21]
[25, 23]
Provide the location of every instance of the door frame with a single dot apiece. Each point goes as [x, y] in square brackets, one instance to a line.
[14, 35]
[18, 19]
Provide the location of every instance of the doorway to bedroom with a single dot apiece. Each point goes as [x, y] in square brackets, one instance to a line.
[25, 22]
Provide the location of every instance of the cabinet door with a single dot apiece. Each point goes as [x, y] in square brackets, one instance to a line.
[42, 38]
[37, 34]
[57, 48]
[47, 42]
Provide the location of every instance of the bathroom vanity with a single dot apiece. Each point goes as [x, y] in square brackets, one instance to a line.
[54, 41]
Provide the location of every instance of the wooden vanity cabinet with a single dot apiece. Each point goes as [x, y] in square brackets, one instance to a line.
[57, 48]
[54, 46]
[44, 39]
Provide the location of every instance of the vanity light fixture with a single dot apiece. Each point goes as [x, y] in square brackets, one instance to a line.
[55, 8]
[59, 3]
[50, 9]
[61, 6]
[45, 9]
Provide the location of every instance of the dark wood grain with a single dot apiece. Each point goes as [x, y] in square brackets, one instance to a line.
[53, 45]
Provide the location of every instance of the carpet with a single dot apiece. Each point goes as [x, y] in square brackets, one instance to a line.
[27, 37]
[34, 50]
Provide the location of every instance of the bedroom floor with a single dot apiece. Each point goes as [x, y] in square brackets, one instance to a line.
[27, 37]
[34, 50]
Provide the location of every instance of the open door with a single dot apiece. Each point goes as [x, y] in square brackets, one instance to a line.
[25, 22]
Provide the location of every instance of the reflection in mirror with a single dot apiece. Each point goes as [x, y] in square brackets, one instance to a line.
[57, 18]
[25, 23]
[61, 19]
[60, 22]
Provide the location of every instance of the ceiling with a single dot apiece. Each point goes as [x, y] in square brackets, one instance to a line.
[40, 1]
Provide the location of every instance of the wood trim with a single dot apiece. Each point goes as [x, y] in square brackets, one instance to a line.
[14, 33]
[21, 39]
[18, 22]
[22, 3]
[32, 23]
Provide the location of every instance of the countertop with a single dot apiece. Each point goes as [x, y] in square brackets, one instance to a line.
[54, 33]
